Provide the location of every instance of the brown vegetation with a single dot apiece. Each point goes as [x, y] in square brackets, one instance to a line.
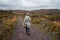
[7, 23]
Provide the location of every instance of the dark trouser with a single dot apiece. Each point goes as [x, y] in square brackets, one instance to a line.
[27, 30]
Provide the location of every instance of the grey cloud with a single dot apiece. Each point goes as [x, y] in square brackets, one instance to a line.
[16, 4]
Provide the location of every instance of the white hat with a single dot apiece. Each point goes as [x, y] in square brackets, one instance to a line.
[27, 14]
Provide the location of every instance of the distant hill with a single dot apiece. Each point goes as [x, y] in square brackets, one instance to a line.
[47, 11]
[41, 11]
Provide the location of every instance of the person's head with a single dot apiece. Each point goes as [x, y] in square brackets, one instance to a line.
[27, 14]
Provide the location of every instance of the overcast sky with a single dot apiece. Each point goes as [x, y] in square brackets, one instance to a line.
[29, 4]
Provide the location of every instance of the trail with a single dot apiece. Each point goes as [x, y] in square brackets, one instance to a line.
[20, 34]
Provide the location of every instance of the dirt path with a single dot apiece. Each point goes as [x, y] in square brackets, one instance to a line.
[20, 34]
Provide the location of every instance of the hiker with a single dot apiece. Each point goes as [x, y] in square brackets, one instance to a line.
[27, 23]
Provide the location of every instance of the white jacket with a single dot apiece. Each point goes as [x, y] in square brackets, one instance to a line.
[27, 21]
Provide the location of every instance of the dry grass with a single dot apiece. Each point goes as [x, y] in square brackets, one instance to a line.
[47, 22]
[7, 23]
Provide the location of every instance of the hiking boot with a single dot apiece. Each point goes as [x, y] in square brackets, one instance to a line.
[28, 33]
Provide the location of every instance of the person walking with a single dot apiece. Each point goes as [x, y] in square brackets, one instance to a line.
[27, 23]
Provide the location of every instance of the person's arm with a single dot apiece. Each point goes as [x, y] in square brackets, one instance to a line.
[30, 20]
[24, 22]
